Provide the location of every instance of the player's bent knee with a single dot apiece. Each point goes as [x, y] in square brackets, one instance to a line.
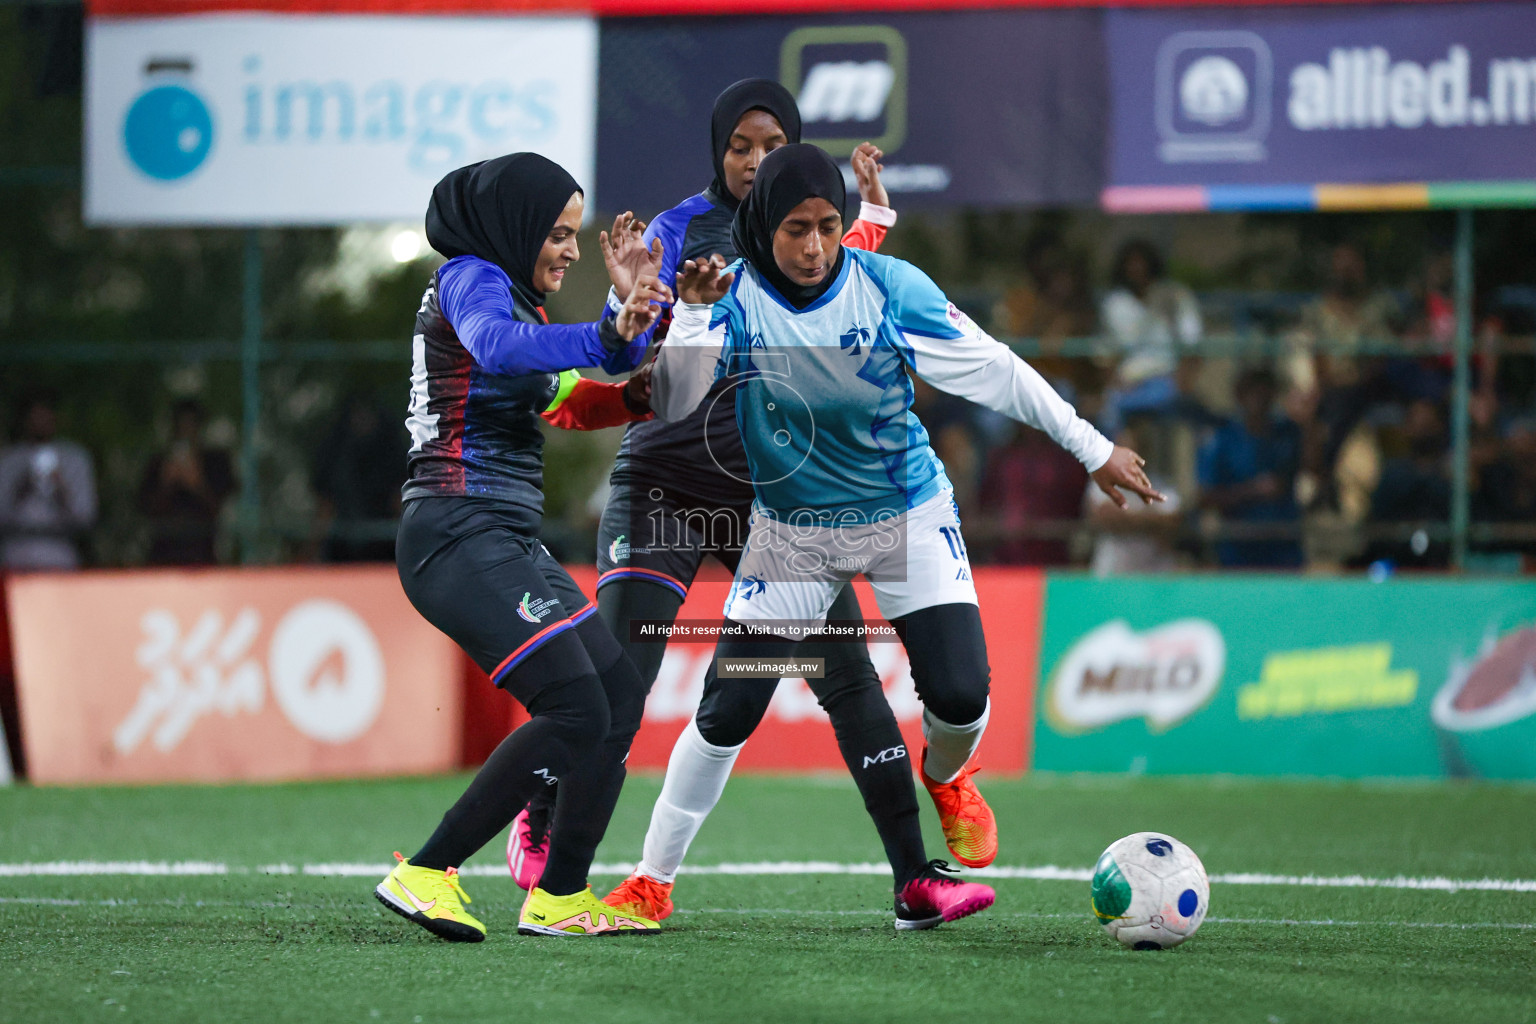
[727, 716]
[577, 708]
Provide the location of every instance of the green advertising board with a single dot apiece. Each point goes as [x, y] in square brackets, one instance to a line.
[1288, 676]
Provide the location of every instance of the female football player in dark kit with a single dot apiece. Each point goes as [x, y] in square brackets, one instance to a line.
[486, 363]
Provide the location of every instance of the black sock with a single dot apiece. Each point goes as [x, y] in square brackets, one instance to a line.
[567, 720]
[876, 755]
[590, 790]
[870, 741]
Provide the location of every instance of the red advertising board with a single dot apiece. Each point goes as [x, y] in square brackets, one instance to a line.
[230, 674]
[218, 675]
[796, 736]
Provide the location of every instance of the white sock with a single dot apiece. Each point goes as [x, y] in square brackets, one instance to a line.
[696, 776]
[950, 746]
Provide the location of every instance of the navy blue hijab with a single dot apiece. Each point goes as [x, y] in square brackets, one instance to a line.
[500, 210]
[735, 103]
[786, 178]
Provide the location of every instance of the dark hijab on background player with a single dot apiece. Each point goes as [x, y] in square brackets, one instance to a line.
[731, 106]
[501, 210]
[786, 178]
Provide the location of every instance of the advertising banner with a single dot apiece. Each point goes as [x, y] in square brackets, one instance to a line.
[1280, 676]
[795, 734]
[1314, 107]
[623, 8]
[987, 108]
[230, 674]
[307, 119]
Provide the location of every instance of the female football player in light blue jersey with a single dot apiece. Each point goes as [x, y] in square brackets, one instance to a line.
[820, 340]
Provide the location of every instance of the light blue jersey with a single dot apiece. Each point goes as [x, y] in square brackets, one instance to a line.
[825, 400]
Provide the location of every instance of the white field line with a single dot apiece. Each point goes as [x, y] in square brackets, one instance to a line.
[1048, 873]
[42, 901]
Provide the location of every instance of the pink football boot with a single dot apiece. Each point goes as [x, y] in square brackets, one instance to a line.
[934, 897]
[527, 851]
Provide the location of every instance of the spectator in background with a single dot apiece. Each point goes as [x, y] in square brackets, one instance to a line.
[1052, 305]
[1139, 538]
[1326, 361]
[183, 492]
[1149, 319]
[358, 476]
[1247, 472]
[1030, 490]
[1506, 489]
[1415, 487]
[1341, 321]
[47, 493]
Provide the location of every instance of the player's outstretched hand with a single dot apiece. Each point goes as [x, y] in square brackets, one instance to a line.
[1124, 469]
[625, 253]
[643, 307]
[867, 168]
[701, 282]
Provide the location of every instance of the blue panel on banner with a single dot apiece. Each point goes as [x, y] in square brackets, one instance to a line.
[1409, 93]
[988, 108]
[1261, 197]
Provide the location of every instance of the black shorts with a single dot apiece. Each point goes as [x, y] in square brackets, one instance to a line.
[651, 534]
[475, 569]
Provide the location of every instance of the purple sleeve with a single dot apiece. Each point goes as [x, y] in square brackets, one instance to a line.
[476, 297]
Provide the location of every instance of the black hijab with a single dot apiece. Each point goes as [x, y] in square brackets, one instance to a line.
[500, 210]
[786, 178]
[730, 106]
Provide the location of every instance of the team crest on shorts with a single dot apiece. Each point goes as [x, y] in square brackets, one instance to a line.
[533, 609]
[618, 551]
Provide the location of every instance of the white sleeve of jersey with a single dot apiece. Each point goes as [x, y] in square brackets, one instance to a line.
[976, 366]
[687, 362]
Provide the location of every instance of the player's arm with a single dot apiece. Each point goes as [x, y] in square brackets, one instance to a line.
[875, 214]
[955, 355]
[582, 404]
[476, 298]
[688, 363]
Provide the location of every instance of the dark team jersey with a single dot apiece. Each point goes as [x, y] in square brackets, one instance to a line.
[700, 456]
[477, 393]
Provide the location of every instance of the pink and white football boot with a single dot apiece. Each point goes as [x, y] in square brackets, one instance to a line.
[935, 896]
[527, 850]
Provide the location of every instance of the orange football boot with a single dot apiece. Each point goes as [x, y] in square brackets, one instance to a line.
[967, 821]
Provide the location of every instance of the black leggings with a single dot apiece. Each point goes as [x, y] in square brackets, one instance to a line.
[867, 734]
[945, 645]
[472, 569]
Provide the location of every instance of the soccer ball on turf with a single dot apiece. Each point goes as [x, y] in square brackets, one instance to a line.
[1150, 891]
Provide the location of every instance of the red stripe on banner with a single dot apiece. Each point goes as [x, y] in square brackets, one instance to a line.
[645, 8]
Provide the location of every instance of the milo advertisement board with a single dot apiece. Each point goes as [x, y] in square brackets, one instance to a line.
[1288, 676]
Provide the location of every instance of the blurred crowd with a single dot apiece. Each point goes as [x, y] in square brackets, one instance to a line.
[1326, 447]
[1330, 450]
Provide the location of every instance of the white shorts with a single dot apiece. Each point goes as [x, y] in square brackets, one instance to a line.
[791, 574]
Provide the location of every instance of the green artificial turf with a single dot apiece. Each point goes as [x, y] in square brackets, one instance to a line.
[809, 947]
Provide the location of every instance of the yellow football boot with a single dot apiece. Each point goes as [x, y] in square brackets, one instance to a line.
[433, 899]
[580, 913]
